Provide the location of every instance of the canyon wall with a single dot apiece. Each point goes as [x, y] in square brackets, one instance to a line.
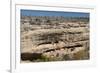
[46, 38]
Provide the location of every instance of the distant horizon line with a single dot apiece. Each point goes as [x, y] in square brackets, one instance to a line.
[58, 16]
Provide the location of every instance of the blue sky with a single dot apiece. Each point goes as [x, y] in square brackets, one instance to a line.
[53, 13]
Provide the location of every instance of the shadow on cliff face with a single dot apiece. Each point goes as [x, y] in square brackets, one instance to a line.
[30, 56]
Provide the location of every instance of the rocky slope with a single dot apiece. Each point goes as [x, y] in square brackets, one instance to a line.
[54, 38]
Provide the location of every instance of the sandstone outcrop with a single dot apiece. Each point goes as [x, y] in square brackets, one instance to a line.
[54, 39]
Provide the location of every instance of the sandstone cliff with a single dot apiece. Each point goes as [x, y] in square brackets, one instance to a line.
[54, 38]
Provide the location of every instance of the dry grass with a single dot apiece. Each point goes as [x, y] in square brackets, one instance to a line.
[81, 55]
